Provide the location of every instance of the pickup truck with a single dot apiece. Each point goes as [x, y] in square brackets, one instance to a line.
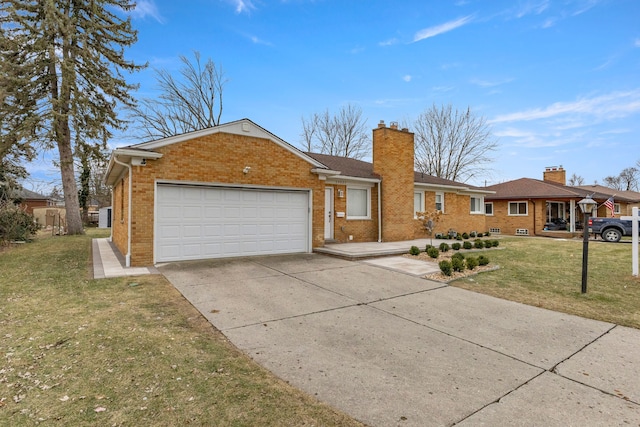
[610, 229]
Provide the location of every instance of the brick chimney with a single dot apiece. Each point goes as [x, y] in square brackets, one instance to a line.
[393, 151]
[555, 174]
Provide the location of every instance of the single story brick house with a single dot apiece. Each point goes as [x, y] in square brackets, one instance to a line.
[237, 189]
[529, 206]
[29, 200]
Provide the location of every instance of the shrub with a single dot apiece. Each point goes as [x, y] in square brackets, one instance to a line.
[426, 248]
[457, 264]
[467, 245]
[495, 243]
[433, 252]
[444, 247]
[445, 267]
[458, 236]
[456, 246]
[488, 244]
[16, 224]
[472, 263]
[414, 250]
[478, 244]
[457, 255]
[465, 236]
[487, 234]
[483, 260]
[473, 234]
[438, 235]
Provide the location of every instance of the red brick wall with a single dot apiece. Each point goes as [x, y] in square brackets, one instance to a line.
[457, 215]
[362, 230]
[216, 158]
[508, 224]
[393, 160]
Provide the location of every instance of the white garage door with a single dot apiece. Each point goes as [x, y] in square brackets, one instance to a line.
[216, 222]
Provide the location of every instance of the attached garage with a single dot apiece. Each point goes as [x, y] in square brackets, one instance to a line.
[198, 222]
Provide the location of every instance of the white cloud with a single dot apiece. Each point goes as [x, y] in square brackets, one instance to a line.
[257, 40]
[442, 28]
[389, 42]
[243, 5]
[146, 8]
[407, 78]
[604, 107]
[532, 7]
[488, 83]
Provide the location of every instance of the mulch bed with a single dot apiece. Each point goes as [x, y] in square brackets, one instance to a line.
[439, 277]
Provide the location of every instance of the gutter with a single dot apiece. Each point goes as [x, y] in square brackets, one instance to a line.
[128, 255]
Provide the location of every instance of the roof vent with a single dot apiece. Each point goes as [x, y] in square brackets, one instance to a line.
[246, 127]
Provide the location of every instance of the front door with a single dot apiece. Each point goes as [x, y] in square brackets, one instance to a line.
[328, 213]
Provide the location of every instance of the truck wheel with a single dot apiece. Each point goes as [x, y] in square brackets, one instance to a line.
[611, 235]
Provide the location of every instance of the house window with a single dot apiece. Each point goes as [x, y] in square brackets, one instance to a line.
[518, 208]
[418, 203]
[358, 203]
[476, 205]
[488, 208]
[440, 201]
[616, 208]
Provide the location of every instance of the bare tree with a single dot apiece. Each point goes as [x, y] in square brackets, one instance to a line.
[450, 144]
[191, 101]
[575, 180]
[613, 182]
[344, 134]
[629, 179]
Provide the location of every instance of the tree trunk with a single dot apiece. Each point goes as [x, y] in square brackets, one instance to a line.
[69, 186]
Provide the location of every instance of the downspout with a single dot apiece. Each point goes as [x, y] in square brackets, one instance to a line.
[111, 225]
[379, 213]
[128, 255]
[534, 216]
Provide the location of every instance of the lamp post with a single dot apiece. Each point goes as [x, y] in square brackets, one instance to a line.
[587, 205]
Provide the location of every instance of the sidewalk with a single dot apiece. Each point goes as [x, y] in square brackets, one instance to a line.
[107, 262]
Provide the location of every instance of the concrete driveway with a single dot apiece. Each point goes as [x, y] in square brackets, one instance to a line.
[391, 349]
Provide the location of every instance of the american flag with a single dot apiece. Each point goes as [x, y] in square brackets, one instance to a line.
[609, 204]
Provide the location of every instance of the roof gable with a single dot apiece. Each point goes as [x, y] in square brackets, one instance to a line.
[243, 127]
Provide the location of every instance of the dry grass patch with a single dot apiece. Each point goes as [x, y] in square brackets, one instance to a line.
[124, 351]
[547, 273]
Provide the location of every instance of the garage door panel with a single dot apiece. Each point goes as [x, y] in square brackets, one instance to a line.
[213, 222]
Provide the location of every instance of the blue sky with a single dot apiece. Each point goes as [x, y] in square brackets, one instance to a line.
[558, 81]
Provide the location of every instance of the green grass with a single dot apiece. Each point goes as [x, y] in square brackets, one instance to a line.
[548, 273]
[124, 351]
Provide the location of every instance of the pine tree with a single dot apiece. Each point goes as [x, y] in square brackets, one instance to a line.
[68, 59]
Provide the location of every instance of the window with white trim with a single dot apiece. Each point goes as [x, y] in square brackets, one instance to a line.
[476, 204]
[358, 203]
[418, 203]
[616, 208]
[440, 201]
[488, 208]
[518, 208]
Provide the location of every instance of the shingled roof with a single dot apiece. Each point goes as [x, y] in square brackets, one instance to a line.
[361, 169]
[528, 188]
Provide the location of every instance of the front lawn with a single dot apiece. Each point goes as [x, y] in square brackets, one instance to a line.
[547, 273]
[126, 351]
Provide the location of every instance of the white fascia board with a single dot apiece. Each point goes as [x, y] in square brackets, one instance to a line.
[341, 179]
[458, 189]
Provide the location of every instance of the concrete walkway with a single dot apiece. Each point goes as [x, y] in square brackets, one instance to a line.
[108, 262]
[391, 349]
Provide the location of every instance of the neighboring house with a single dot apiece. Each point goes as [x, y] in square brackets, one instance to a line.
[623, 201]
[237, 190]
[528, 206]
[30, 200]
